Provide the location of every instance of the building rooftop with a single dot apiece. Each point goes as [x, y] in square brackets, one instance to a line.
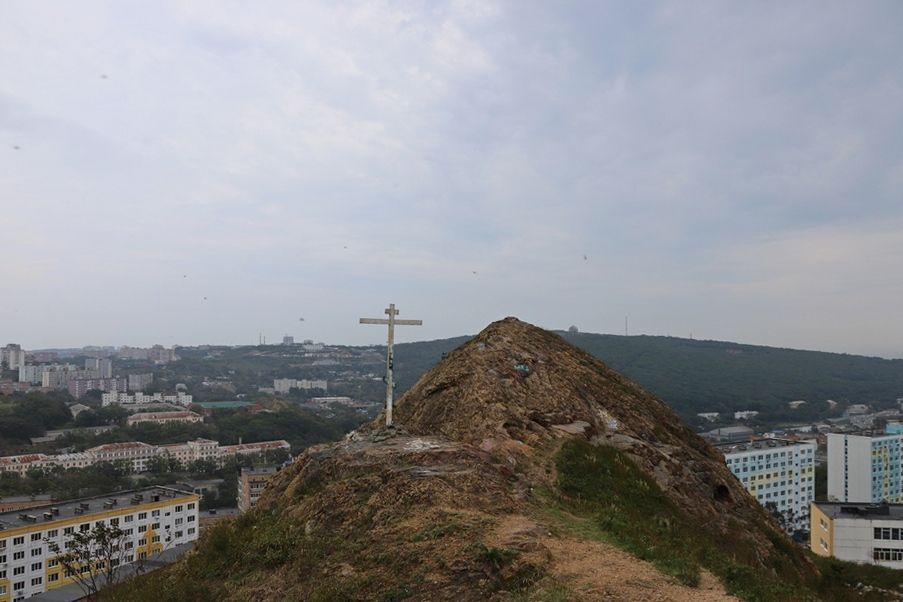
[120, 445]
[157, 415]
[861, 510]
[25, 459]
[733, 447]
[259, 470]
[50, 513]
[277, 444]
[219, 405]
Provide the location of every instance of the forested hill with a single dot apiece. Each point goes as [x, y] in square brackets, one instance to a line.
[714, 376]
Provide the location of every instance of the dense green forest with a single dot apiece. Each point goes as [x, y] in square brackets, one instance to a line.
[713, 376]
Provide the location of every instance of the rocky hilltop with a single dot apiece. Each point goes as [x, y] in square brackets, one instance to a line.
[520, 468]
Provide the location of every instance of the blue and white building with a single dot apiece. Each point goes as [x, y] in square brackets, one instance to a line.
[864, 469]
[779, 473]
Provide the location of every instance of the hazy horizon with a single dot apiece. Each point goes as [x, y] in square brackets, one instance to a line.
[191, 173]
[277, 342]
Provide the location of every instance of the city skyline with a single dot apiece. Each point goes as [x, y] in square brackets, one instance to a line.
[191, 174]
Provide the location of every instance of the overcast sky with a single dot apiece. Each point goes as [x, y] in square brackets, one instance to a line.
[199, 172]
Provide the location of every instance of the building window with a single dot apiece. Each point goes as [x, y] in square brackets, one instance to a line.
[887, 554]
[18, 555]
[37, 566]
[142, 528]
[18, 570]
[142, 515]
[35, 537]
[68, 530]
[53, 562]
[18, 541]
[19, 585]
[52, 533]
[52, 577]
[129, 518]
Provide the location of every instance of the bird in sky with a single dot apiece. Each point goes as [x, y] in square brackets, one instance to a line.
[16, 147]
[584, 258]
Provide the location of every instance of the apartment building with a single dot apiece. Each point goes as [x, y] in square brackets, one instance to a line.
[120, 398]
[12, 356]
[284, 385]
[78, 387]
[865, 469]
[101, 365]
[858, 532]
[153, 519]
[779, 473]
[251, 483]
[140, 454]
[163, 417]
[137, 382]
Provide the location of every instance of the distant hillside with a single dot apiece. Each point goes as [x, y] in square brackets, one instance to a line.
[695, 376]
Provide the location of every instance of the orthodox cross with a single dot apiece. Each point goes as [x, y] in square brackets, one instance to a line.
[390, 358]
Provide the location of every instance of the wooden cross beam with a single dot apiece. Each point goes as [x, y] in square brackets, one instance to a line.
[390, 357]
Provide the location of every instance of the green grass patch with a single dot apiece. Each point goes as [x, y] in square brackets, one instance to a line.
[603, 495]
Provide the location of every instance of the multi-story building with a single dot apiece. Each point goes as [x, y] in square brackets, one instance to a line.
[157, 354]
[163, 417]
[779, 473]
[284, 385]
[116, 398]
[12, 356]
[57, 376]
[101, 365]
[137, 382]
[136, 452]
[251, 483]
[80, 386]
[153, 520]
[139, 455]
[858, 532]
[865, 469]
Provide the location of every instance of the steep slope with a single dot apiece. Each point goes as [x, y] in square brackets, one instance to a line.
[517, 463]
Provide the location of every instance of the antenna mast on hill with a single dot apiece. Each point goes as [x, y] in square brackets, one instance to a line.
[390, 357]
[625, 326]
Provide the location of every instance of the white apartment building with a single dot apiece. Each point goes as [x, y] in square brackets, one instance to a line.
[137, 382]
[776, 471]
[865, 469]
[154, 519]
[192, 451]
[745, 414]
[139, 454]
[116, 398]
[100, 365]
[12, 356]
[863, 533]
[284, 385]
[163, 417]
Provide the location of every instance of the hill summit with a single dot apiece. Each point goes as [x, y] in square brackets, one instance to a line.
[520, 468]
